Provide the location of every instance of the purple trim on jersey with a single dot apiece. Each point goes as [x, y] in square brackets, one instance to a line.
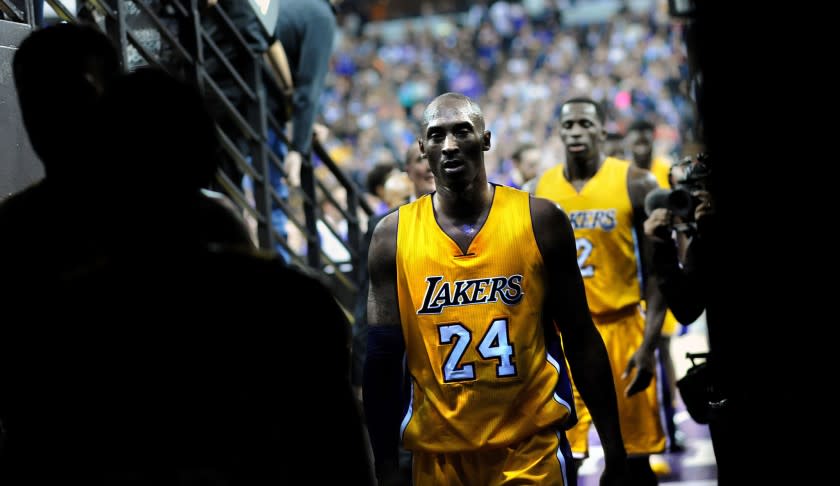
[563, 389]
[564, 454]
[408, 397]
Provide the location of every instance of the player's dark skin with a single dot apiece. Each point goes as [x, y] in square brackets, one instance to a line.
[640, 143]
[583, 134]
[454, 141]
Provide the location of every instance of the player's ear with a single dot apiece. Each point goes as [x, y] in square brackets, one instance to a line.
[422, 147]
[485, 141]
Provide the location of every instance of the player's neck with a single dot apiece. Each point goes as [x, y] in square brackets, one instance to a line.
[583, 169]
[645, 163]
[466, 204]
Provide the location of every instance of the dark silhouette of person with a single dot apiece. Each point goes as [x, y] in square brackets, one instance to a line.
[157, 360]
[166, 367]
[152, 119]
[60, 72]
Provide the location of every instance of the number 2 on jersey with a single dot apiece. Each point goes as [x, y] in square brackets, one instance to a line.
[494, 345]
[584, 249]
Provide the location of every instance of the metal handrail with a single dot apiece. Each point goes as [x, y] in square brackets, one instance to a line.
[253, 126]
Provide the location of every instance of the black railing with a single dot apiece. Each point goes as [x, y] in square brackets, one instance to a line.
[256, 159]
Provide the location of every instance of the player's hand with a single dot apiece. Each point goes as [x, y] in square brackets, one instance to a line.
[645, 363]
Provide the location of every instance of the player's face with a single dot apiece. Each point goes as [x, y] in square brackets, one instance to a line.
[419, 172]
[640, 143]
[581, 131]
[454, 145]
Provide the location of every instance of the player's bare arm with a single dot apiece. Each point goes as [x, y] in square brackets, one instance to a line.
[383, 309]
[567, 306]
[640, 183]
[385, 350]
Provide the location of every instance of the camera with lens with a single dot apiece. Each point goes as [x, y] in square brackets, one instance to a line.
[695, 175]
[696, 172]
[688, 176]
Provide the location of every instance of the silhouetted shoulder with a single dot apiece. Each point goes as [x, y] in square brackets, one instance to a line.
[196, 359]
[224, 222]
[13, 207]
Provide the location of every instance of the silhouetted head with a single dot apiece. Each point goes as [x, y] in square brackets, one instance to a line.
[60, 72]
[161, 138]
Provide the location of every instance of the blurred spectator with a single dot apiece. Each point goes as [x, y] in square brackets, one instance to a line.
[398, 189]
[306, 30]
[375, 185]
[526, 164]
[633, 61]
[240, 57]
[259, 42]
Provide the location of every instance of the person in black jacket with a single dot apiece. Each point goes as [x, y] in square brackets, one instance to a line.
[681, 269]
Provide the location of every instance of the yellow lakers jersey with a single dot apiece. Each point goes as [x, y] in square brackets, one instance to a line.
[660, 168]
[483, 375]
[602, 218]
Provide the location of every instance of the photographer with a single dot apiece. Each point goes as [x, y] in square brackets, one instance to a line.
[681, 225]
[680, 222]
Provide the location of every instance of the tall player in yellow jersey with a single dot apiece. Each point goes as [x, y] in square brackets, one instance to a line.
[466, 285]
[638, 141]
[604, 198]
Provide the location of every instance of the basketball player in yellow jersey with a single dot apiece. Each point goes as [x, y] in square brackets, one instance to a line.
[638, 141]
[466, 284]
[604, 198]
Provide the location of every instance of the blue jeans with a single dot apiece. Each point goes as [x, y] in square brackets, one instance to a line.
[275, 181]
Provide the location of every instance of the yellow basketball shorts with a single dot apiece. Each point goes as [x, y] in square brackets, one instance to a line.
[640, 416]
[540, 460]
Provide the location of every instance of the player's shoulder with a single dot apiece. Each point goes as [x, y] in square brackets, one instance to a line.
[546, 212]
[642, 177]
[386, 223]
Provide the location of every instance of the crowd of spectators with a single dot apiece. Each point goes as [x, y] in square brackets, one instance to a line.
[519, 60]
